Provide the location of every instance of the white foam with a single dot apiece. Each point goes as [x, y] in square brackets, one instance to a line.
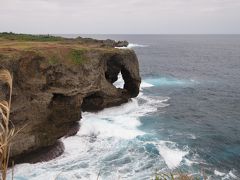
[132, 45]
[218, 173]
[172, 157]
[145, 85]
[189, 162]
[27, 171]
[120, 82]
[232, 175]
[120, 122]
[225, 176]
[102, 125]
[102, 136]
[192, 136]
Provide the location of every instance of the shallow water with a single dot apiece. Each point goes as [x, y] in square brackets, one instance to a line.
[186, 117]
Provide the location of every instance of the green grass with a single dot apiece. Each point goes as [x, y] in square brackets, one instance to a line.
[29, 37]
[1, 56]
[53, 60]
[77, 56]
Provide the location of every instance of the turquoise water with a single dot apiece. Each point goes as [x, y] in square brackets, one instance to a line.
[164, 81]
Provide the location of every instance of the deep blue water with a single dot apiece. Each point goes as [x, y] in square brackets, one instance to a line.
[188, 120]
[201, 75]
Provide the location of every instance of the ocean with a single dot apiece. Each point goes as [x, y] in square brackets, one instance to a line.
[185, 119]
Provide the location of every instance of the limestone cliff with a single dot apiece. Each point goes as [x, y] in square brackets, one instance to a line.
[54, 81]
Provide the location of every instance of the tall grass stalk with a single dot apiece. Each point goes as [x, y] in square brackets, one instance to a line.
[6, 133]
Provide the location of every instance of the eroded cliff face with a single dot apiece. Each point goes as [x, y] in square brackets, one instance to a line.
[50, 93]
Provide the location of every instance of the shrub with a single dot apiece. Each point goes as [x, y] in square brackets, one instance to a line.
[29, 37]
[77, 56]
[53, 60]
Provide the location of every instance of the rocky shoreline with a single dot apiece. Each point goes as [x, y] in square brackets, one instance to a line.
[54, 81]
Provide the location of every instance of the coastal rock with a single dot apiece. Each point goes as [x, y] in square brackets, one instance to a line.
[53, 84]
[102, 43]
[121, 44]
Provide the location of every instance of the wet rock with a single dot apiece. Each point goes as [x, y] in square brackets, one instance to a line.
[40, 155]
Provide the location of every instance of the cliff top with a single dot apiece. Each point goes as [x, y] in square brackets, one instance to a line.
[23, 41]
[12, 46]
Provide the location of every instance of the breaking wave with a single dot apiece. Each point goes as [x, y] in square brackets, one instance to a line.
[112, 144]
[131, 45]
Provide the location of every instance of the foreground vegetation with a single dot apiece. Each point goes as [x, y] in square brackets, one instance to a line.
[6, 133]
[176, 176]
[54, 49]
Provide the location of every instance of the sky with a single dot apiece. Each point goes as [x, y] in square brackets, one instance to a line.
[120, 16]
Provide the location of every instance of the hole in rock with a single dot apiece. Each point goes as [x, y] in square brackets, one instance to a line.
[113, 73]
[120, 76]
[114, 64]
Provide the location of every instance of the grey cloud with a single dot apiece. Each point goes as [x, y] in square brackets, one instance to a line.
[120, 16]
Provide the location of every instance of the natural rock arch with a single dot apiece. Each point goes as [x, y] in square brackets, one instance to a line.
[115, 65]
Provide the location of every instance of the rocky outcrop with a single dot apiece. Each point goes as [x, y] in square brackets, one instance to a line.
[51, 89]
[103, 43]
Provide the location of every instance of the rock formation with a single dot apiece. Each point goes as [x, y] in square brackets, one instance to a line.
[53, 82]
[103, 43]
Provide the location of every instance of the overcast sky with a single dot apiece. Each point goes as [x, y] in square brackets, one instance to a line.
[121, 16]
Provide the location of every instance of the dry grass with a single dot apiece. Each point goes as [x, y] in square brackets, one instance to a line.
[6, 133]
[14, 44]
[29, 37]
[175, 176]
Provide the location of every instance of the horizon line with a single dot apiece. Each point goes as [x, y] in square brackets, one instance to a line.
[122, 33]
